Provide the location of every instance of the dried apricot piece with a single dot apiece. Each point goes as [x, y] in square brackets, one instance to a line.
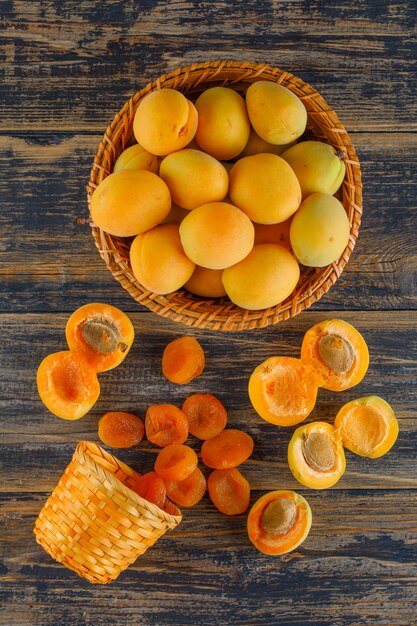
[229, 491]
[165, 424]
[283, 390]
[206, 415]
[66, 385]
[189, 491]
[229, 448]
[176, 462]
[367, 426]
[101, 334]
[118, 429]
[183, 360]
[279, 522]
[337, 352]
[151, 487]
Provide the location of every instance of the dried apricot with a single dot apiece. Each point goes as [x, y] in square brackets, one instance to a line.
[183, 360]
[151, 487]
[176, 462]
[206, 415]
[229, 491]
[165, 424]
[228, 449]
[118, 429]
[189, 491]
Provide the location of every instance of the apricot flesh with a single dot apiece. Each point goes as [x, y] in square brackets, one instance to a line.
[257, 145]
[367, 426]
[320, 230]
[264, 278]
[206, 283]
[136, 158]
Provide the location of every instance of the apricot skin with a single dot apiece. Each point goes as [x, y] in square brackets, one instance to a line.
[206, 283]
[136, 158]
[257, 145]
[274, 233]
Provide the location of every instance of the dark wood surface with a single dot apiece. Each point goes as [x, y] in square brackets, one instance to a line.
[66, 68]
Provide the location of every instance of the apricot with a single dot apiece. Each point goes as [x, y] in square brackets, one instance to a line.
[158, 260]
[217, 235]
[137, 158]
[319, 230]
[267, 276]
[189, 491]
[318, 166]
[165, 121]
[257, 145]
[283, 390]
[175, 462]
[118, 429]
[206, 283]
[338, 354]
[183, 360]
[367, 426]
[228, 449]
[66, 385]
[279, 522]
[101, 334]
[176, 215]
[274, 233]
[265, 187]
[151, 487]
[223, 123]
[130, 202]
[315, 455]
[194, 178]
[229, 491]
[277, 115]
[206, 415]
[166, 424]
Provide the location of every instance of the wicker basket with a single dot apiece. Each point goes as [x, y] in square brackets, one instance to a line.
[94, 523]
[221, 314]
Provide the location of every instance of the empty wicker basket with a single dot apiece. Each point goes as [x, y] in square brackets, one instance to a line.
[221, 314]
[93, 523]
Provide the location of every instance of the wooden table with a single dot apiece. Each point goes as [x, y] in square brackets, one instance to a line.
[66, 68]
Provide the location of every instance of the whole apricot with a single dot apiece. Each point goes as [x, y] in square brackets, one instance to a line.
[206, 283]
[257, 145]
[158, 260]
[223, 123]
[137, 158]
[276, 114]
[265, 187]
[274, 233]
[319, 230]
[217, 235]
[175, 216]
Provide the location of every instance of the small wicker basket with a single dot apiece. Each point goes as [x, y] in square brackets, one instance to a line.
[221, 314]
[93, 523]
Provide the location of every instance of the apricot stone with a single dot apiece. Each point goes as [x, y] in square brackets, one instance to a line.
[206, 283]
[257, 145]
[137, 158]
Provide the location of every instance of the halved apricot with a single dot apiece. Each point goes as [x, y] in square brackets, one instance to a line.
[337, 352]
[283, 390]
[101, 334]
[165, 424]
[151, 487]
[367, 426]
[229, 491]
[66, 385]
[118, 429]
[315, 455]
[206, 415]
[228, 449]
[189, 491]
[182, 360]
[176, 462]
[279, 522]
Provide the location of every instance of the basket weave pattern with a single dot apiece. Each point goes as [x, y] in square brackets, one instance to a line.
[94, 523]
[221, 314]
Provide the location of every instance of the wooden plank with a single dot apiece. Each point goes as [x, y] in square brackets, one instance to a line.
[48, 263]
[44, 444]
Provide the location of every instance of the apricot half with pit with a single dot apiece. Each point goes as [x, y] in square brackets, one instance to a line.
[315, 455]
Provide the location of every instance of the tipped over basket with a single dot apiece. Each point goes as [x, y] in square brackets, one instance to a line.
[220, 314]
[93, 523]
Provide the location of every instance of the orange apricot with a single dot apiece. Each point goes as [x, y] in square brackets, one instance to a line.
[151, 487]
[182, 360]
[279, 522]
[176, 215]
[206, 415]
[165, 424]
[257, 145]
[274, 233]
[66, 385]
[101, 334]
[137, 158]
[337, 352]
[206, 283]
[367, 426]
[118, 429]
[229, 491]
[283, 390]
[175, 462]
[189, 491]
[315, 455]
[228, 449]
